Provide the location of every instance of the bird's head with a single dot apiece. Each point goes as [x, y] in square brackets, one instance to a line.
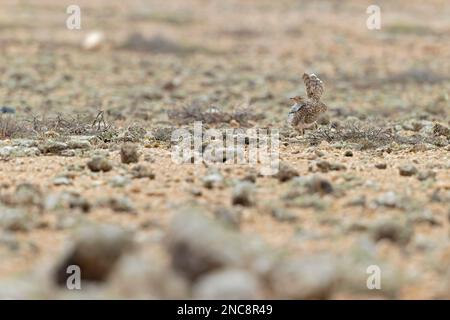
[298, 99]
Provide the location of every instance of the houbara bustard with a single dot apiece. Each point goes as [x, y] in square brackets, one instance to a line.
[305, 111]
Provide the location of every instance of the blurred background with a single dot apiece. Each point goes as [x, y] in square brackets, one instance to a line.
[141, 58]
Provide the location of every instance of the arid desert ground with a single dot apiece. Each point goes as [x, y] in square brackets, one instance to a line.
[358, 209]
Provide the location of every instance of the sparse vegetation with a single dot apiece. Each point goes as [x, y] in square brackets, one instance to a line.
[10, 127]
[88, 175]
[212, 115]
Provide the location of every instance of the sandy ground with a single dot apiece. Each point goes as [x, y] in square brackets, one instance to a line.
[231, 55]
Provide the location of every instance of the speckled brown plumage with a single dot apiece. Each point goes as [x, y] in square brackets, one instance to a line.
[305, 111]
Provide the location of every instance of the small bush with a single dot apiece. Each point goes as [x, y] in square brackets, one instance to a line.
[367, 136]
[10, 127]
[211, 115]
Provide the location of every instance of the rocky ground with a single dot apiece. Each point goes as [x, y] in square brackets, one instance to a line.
[86, 170]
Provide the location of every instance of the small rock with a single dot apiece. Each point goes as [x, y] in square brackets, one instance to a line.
[286, 173]
[309, 277]
[421, 147]
[213, 179]
[425, 216]
[28, 194]
[381, 166]
[129, 153]
[393, 231]
[119, 181]
[9, 240]
[14, 219]
[68, 153]
[317, 184]
[79, 144]
[95, 250]
[121, 204]
[145, 276]
[251, 177]
[282, 215]
[228, 217]
[348, 153]
[6, 151]
[243, 194]
[93, 40]
[234, 284]
[337, 166]
[99, 163]
[67, 221]
[141, 171]
[427, 174]
[62, 181]
[198, 245]
[388, 199]
[358, 201]
[55, 147]
[67, 200]
[195, 191]
[407, 170]
[323, 166]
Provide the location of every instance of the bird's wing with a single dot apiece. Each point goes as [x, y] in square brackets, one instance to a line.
[296, 107]
[293, 116]
[314, 86]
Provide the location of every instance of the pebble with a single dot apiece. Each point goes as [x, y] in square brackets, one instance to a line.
[348, 153]
[129, 153]
[15, 219]
[141, 171]
[388, 199]
[99, 163]
[62, 181]
[28, 194]
[67, 200]
[198, 245]
[381, 166]
[234, 284]
[317, 184]
[407, 170]
[213, 179]
[283, 215]
[54, 147]
[286, 172]
[119, 181]
[121, 204]
[243, 194]
[427, 174]
[93, 40]
[79, 144]
[228, 217]
[307, 277]
[393, 231]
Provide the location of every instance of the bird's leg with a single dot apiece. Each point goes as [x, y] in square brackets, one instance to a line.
[316, 126]
[301, 130]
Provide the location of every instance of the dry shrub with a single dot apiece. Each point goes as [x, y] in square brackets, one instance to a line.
[212, 115]
[71, 125]
[10, 127]
[366, 136]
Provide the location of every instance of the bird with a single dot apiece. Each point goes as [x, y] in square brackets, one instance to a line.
[305, 111]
